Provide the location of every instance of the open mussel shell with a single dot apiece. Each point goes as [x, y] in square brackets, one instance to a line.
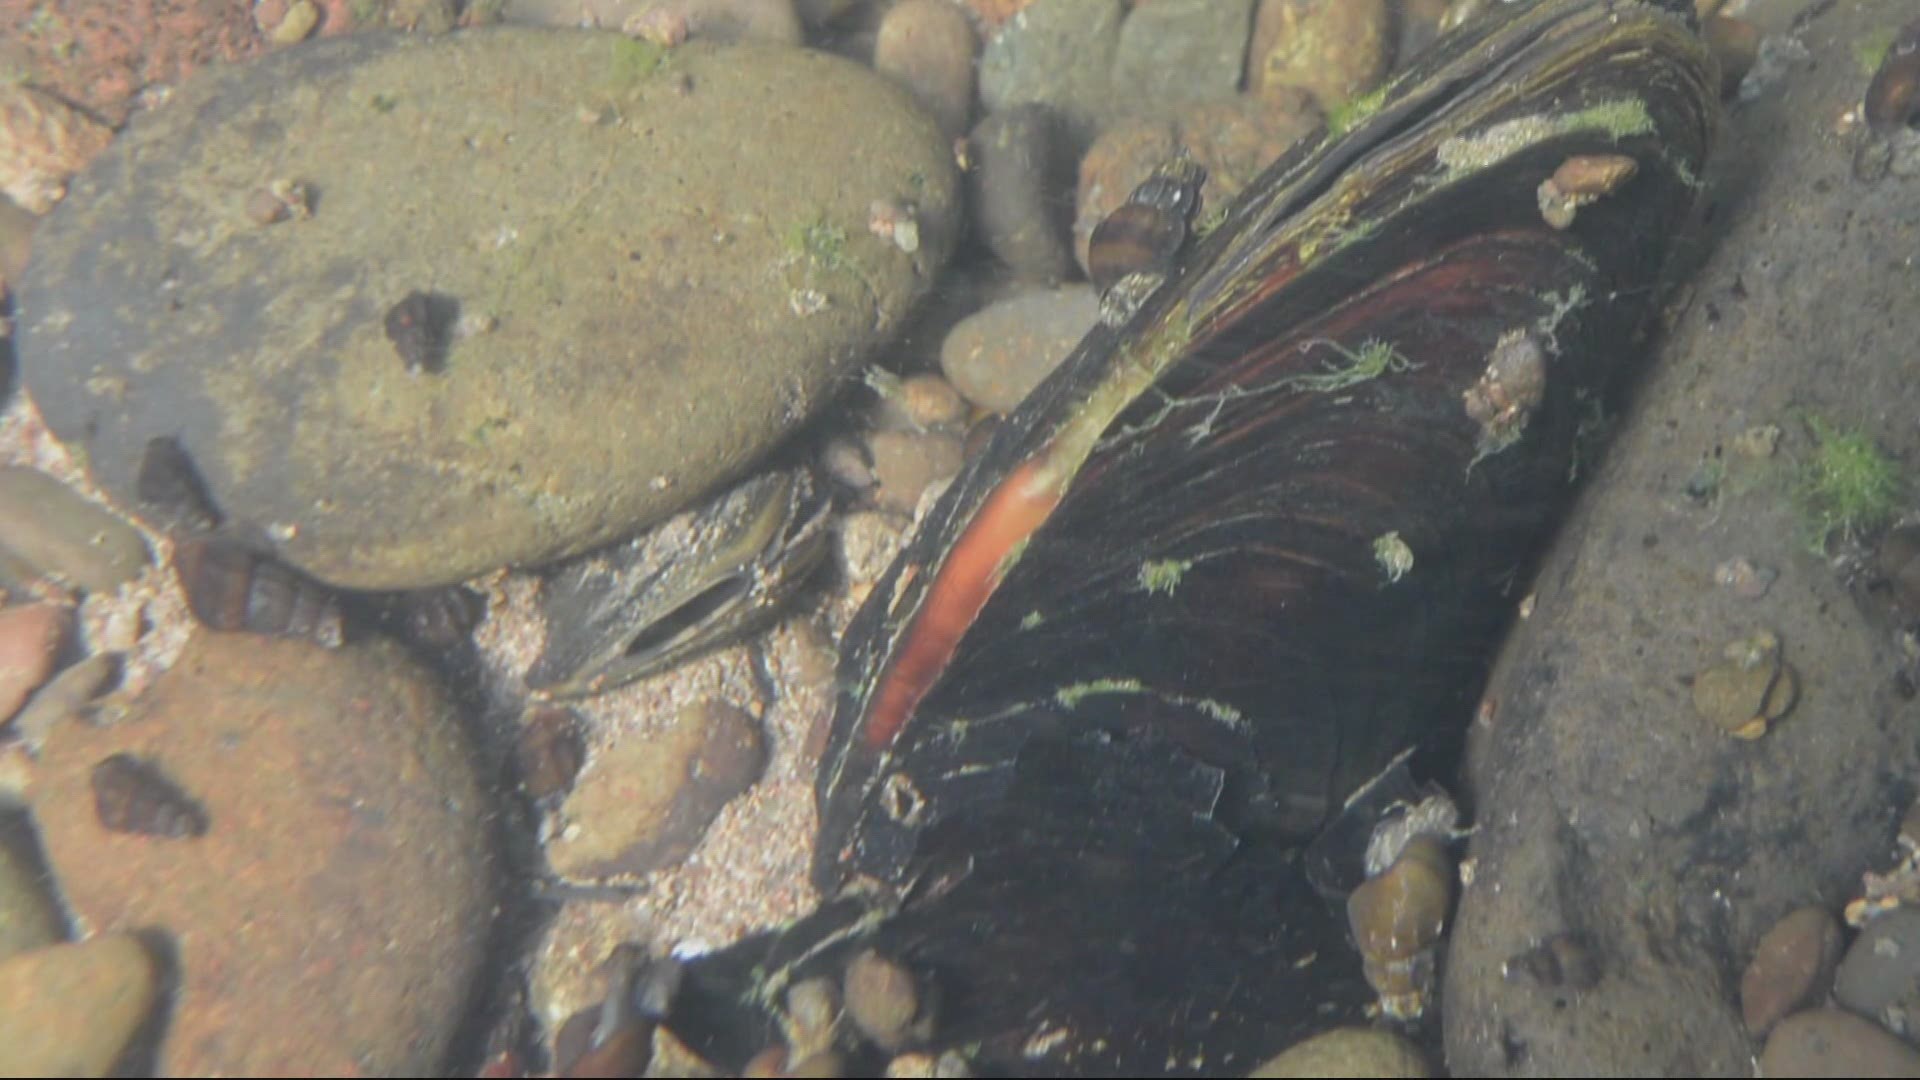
[1240, 551]
[701, 580]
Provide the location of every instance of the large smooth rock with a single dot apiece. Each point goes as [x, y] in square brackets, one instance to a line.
[1605, 806]
[332, 917]
[647, 267]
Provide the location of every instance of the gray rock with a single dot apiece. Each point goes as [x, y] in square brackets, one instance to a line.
[639, 270]
[1828, 1042]
[57, 531]
[1172, 52]
[1604, 806]
[1057, 53]
[1020, 188]
[1880, 976]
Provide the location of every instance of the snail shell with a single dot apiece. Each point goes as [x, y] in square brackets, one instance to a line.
[133, 796]
[1397, 918]
[1131, 250]
[232, 586]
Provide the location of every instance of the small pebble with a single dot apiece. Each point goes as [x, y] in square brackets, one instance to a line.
[1791, 966]
[30, 639]
[1759, 441]
[881, 999]
[996, 356]
[65, 695]
[927, 45]
[738, 20]
[43, 142]
[1750, 689]
[1832, 1043]
[1743, 579]
[1879, 978]
[917, 403]
[869, 539]
[845, 459]
[301, 17]
[1349, 1051]
[906, 463]
[57, 531]
[69, 1010]
[643, 804]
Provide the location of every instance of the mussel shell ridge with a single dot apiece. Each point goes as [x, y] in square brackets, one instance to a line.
[1148, 642]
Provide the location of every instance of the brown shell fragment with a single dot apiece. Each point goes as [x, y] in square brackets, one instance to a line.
[233, 587]
[133, 796]
[420, 327]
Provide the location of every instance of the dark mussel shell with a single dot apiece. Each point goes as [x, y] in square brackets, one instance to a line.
[1229, 561]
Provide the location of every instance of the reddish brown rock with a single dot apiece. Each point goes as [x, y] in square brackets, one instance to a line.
[30, 638]
[1793, 962]
[332, 915]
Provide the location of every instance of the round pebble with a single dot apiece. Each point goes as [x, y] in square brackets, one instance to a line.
[70, 1010]
[927, 45]
[1017, 184]
[906, 462]
[996, 356]
[1829, 1042]
[1793, 962]
[1879, 978]
[644, 803]
[414, 385]
[1348, 1052]
[331, 916]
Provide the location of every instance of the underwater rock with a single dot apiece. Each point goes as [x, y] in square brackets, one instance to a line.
[670, 272]
[331, 917]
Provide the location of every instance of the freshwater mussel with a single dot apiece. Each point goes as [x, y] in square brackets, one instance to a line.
[1240, 551]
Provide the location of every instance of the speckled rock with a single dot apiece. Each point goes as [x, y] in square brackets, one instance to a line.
[671, 269]
[1348, 1052]
[1879, 978]
[1335, 49]
[645, 803]
[69, 1010]
[927, 45]
[1828, 1042]
[57, 531]
[996, 356]
[1791, 966]
[332, 915]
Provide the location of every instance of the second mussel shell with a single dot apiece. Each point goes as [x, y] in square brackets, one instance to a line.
[693, 584]
[1148, 642]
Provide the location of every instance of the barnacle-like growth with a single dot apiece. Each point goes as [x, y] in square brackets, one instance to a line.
[1847, 486]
